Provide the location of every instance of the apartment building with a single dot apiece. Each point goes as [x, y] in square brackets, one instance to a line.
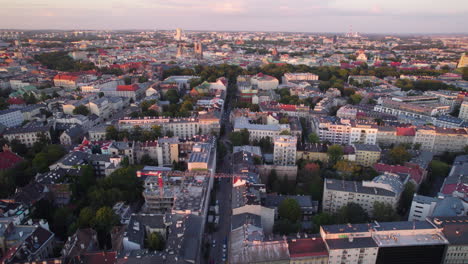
[259, 131]
[11, 117]
[440, 206]
[367, 155]
[261, 81]
[288, 77]
[343, 131]
[464, 111]
[385, 242]
[384, 188]
[284, 153]
[28, 135]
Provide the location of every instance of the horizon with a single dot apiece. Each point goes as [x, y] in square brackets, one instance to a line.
[313, 16]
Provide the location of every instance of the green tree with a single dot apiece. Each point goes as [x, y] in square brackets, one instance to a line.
[313, 138]
[40, 162]
[128, 80]
[155, 241]
[286, 227]
[289, 209]
[112, 133]
[322, 219]
[406, 198]
[86, 217]
[335, 153]
[285, 133]
[284, 120]
[355, 99]
[384, 212]
[147, 160]
[62, 219]
[81, 110]
[352, 213]
[105, 219]
[399, 155]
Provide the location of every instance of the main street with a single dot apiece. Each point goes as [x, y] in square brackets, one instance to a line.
[223, 197]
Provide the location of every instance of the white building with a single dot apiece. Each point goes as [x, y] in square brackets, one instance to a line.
[464, 111]
[11, 117]
[424, 206]
[259, 131]
[299, 77]
[385, 188]
[284, 153]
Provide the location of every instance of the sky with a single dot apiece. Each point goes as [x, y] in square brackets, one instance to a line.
[367, 16]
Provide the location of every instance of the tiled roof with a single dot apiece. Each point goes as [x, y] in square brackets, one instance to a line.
[8, 159]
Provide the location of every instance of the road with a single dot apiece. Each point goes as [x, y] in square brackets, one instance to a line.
[223, 196]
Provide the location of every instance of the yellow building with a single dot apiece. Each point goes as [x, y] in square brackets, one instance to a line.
[367, 155]
[463, 61]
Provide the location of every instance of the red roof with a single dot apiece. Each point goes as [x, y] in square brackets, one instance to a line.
[8, 160]
[16, 101]
[406, 131]
[100, 257]
[130, 88]
[288, 107]
[449, 188]
[415, 172]
[306, 247]
[66, 77]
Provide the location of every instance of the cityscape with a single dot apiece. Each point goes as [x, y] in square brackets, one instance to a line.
[182, 145]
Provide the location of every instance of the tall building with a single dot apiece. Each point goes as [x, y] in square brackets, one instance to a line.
[463, 61]
[180, 50]
[198, 50]
[284, 153]
[178, 35]
[463, 111]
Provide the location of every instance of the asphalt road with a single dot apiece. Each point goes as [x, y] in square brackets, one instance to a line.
[223, 196]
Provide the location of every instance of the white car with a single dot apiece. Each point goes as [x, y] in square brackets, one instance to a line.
[214, 242]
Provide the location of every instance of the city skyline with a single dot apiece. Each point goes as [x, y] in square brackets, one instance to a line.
[289, 16]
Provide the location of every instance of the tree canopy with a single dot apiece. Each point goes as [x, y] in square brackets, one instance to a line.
[289, 209]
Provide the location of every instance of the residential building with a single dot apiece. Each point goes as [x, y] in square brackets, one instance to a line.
[73, 135]
[259, 131]
[11, 117]
[367, 155]
[464, 111]
[308, 251]
[288, 77]
[384, 188]
[440, 206]
[28, 135]
[455, 230]
[385, 242]
[262, 81]
[284, 153]
[343, 131]
[8, 159]
[307, 205]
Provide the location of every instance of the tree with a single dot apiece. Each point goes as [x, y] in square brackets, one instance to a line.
[105, 219]
[169, 133]
[285, 133]
[101, 94]
[399, 155]
[439, 169]
[285, 227]
[86, 217]
[355, 99]
[273, 183]
[40, 162]
[320, 220]
[384, 212]
[147, 160]
[284, 120]
[335, 153]
[352, 213]
[61, 221]
[81, 110]
[112, 133]
[128, 80]
[289, 209]
[103, 222]
[155, 241]
[406, 198]
[313, 138]
[239, 138]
